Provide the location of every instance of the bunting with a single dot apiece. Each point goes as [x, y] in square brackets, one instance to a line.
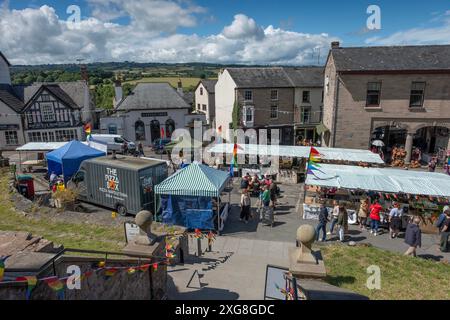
[31, 281]
[2, 266]
[56, 285]
[88, 130]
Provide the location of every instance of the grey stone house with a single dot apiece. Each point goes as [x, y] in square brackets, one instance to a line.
[398, 94]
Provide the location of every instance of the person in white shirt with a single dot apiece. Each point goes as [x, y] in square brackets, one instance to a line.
[334, 216]
[395, 220]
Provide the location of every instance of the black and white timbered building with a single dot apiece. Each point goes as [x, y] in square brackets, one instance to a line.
[42, 112]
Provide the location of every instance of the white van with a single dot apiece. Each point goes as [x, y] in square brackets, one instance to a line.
[114, 142]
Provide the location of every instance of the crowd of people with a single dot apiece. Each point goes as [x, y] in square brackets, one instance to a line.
[265, 189]
[372, 212]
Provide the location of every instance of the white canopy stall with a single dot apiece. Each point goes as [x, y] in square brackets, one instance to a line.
[331, 154]
[381, 180]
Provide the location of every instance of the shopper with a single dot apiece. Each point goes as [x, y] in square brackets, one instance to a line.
[244, 183]
[363, 213]
[141, 149]
[266, 196]
[342, 222]
[413, 237]
[322, 226]
[375, 217]
[246, 204]
[445, 233]
[273, 193]
[334, 217]
[395, 220]
[432, 165]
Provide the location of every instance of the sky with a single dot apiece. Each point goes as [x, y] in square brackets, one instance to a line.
[215, 31]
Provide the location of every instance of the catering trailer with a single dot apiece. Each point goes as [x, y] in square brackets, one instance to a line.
[120, 183]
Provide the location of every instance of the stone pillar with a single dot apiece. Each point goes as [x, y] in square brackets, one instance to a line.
[408, 146]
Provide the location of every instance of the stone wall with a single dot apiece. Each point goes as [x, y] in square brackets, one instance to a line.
[122, 286]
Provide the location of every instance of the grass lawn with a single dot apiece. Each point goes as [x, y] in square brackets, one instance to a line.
[71, 235]
[401, 277]
[187, 82]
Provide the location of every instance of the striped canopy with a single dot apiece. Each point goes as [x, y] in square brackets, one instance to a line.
[195, 180]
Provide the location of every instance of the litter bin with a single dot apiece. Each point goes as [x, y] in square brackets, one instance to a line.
[25, 185]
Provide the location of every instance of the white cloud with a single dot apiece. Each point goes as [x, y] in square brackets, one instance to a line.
[243, 27]
[418, 36]
[39, 36]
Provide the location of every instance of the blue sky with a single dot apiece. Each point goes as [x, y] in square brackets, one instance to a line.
[313, 24]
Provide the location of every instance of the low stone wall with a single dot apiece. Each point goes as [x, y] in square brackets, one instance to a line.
[122, 286]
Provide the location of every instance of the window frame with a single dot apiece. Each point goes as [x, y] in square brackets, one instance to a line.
[272, 95]
[308, 100]
[8, 138]
[303, 112]
[422, 100]
[370, 93]
[45, 115]
[250, 92]
[272, 112]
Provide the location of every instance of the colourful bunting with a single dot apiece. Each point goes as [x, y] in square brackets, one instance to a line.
[155, 267]
[101, 264]
[211, 237]
[56, 285]
[144, 268]
[131, 270]
[2, 267]
[31, 281]
[110, 272]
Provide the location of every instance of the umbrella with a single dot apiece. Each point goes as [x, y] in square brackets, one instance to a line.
[378, 143]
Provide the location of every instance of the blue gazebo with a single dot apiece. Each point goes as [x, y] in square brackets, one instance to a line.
[67, 160]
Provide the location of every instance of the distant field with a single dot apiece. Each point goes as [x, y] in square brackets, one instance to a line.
[187, 82]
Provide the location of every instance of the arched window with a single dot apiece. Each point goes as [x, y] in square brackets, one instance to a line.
[112, 128]
[170, 127]
[155, 129]
[140, 130]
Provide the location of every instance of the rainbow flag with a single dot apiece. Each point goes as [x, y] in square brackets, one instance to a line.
[234, 162]
[31, 281]
[88, 130]
[56, 285]
[313, 162]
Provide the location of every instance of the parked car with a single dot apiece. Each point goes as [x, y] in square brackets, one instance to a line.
[122, 183]
[115, 142]
[159, 144]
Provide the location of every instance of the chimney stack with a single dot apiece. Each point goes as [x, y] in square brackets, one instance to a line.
[180, 88]
[84, 73]
[335, 45]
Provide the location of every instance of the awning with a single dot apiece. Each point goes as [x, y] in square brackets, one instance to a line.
[41, 146]
[334, 154]
[381, 180]
[195, 180]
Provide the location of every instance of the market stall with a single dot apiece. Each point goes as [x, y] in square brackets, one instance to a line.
[192, 198]
[292, 159]
[419, 193]
[67, 160]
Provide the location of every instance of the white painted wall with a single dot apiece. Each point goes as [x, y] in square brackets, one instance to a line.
[11, 119]
[225, 98]
[5, 76]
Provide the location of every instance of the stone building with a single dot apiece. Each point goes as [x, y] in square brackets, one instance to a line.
[398, 94]
[270, 98]
[152, 111]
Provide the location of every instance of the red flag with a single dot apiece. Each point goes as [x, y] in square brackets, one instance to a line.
[314, 152]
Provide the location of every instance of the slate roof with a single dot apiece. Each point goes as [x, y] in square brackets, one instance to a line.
[395, 58]
[153, 96]
[3, 56]
[8, 97]
[74, 90]
[210, 85]
[306, 76]
[189, 97]
[273, 77]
